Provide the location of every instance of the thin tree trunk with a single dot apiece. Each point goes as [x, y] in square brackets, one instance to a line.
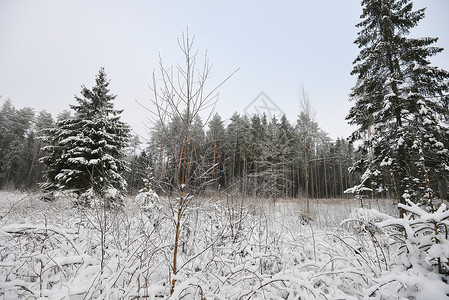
[255, 179]
[215, 149]
[190, 158]
[36, 151]
[318, 181]
[180, 206]
[307, 178]
[299, 181]
[341, 176]
[312, 183]
[325, 173]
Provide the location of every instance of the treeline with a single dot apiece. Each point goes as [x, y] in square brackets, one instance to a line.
[20, 146]
[254, 156]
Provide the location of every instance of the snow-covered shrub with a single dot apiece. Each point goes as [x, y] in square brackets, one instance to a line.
[39, 260]
[54, 251]
[421, 238]
[146, 199]
[368, 244]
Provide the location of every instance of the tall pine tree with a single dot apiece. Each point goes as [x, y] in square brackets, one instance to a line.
[400, 100]
[85, 152]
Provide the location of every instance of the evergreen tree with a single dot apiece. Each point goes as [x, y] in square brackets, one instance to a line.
[7, 136]
[16, 137]
[132, 157]
[399, 99]
[232, 148]
[307, 130]
[64, 115]
[35, 173]
[214, 140]
[272, 163]
[237, 140]
[257, 143]
[141, 178]
[197, 166]
[85, 151]
[286, 135]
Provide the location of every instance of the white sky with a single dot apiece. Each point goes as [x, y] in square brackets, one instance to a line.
[48, 49]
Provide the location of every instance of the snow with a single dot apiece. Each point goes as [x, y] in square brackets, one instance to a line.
[77, 160]
[423, 110]
[390, 95]
[93, 162]
[427, 121]
[229, 250]
[439, 145]
[387, 161]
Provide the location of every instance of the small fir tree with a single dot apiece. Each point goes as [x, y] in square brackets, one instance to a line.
[85, 152]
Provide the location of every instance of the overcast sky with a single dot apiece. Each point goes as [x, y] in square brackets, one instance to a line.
[48, 49]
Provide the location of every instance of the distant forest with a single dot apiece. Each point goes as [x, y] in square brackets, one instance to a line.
[257, 156]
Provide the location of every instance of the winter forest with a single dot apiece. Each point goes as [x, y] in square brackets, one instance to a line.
[254, 156]
[253, 207]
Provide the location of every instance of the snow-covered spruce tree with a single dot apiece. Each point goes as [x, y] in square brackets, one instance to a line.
[85, 151]
[400, 100]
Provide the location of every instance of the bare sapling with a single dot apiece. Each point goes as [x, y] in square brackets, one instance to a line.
[180, 93]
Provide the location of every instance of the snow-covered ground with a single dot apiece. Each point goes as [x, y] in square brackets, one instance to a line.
[228, 250]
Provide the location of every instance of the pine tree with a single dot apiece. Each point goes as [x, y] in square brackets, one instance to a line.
[286, 136]
[197, 167]
[16, 136]
[257, 143]
[399, 99]
[35, 173]
[215, 137]
[273, 163]
[141, 177]
[237, 149]
[85, 151]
